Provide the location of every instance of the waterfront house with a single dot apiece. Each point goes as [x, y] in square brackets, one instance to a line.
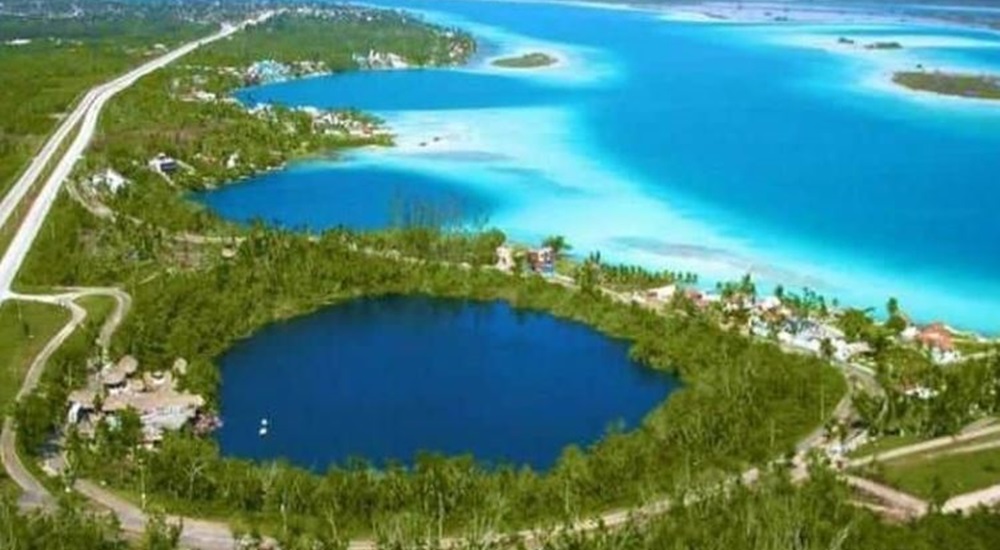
[936, 336]
[542, 260]
[939, 341]
[266, 72]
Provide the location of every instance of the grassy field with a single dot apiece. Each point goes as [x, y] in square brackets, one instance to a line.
[25, 327]
[945, 476]
[884, 444]
[98, 308]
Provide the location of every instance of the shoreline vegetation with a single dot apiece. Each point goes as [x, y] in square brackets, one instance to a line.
[951, 84]
[725, 417]
[199, 283]
[742, 402]
[527, 61]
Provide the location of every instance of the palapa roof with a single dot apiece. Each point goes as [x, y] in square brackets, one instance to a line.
[148, 402]
[120, 371]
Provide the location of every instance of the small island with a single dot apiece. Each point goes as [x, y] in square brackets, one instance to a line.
[884, 46]
[953, 84]
[526, 61]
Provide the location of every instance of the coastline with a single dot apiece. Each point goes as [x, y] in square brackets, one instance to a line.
[457, 149]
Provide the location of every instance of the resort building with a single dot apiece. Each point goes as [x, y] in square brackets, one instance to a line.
[940, 342]
[153, 396]
[936, 336]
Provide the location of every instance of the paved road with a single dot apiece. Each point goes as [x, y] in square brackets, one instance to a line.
[989, 496]
[33, 493]
[86, 114]
[911, 506]
[924, 446]
[23, 185]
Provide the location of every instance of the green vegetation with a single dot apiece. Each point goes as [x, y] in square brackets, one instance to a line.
[98, 307]
[953, 396]
[340, 39]
[71, 527]
[886, 443]
[775, 515]
[962, 85]
[183, 111]
[743, 402]
[200, 284]
[41, 80]
[25, 328]
[526, 61]
[938, 477]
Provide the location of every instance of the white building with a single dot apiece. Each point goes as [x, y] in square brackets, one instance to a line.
[505, 258]
[110, 180]
[163, 164]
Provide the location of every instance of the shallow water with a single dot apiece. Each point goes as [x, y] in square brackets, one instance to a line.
[717, 148]
[386, 378]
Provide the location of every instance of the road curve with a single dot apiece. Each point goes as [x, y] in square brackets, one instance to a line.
[89, 111]
[34, 494]
[86, 115]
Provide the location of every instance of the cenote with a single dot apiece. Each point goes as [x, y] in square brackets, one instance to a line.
[385, 378]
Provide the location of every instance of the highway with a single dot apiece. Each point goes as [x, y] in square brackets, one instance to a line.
[86, 115]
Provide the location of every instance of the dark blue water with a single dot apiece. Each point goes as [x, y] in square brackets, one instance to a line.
[306, 195]
[386, 378]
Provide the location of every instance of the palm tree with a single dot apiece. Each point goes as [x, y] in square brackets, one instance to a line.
[892, 307]
[558, 245]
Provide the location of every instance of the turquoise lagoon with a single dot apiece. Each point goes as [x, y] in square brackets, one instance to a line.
[714, 147]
